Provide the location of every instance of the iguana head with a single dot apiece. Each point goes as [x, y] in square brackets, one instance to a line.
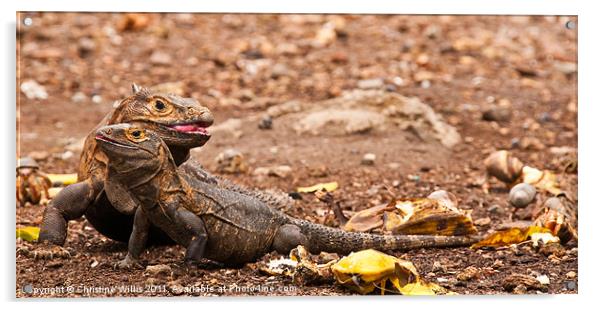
[179, 121]
[133, 151]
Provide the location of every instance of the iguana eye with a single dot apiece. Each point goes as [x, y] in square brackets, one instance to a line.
[159, 105]
[136, 135]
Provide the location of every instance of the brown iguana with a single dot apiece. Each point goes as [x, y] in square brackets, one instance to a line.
[221, 225]
[180, 122]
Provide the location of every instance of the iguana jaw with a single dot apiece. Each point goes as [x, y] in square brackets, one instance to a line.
[104, 139]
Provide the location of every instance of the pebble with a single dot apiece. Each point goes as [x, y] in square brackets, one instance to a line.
[370, 84]
[571, 274]
[33, 90]
[279, 70]
[79, 97]
[265, 122]
[495, 209]
[282, 171]
[96, 99]
[369, 159]
[66, 155]
[543, 279]
[158, 269]
[497, 114]
[160, 58]
[85, 46]
[38, 155]
[231, 161]
[570, 285]
[437, 267]
[485, 221]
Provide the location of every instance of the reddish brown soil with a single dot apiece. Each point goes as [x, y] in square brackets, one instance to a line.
[475, 62]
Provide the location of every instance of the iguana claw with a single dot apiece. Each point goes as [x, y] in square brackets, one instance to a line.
[45, 251]
[127, 263]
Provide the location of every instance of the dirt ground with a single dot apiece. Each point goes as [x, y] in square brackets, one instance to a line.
[241, 65]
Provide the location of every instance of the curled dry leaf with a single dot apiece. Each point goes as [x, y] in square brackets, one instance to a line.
[436, 215]
[367, 270]
[509, 236]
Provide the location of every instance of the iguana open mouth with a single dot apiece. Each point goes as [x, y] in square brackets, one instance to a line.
[194, 128]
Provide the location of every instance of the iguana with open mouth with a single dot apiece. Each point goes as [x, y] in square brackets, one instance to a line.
[218, 224]
[180, 122]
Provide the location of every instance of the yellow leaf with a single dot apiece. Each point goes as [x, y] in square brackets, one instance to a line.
[329, 187]
[28, 233]
[509, 236]
[367, 270]
[63, 179]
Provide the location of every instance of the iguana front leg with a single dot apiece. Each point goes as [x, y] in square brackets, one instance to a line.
[137, 241]
[69, 204]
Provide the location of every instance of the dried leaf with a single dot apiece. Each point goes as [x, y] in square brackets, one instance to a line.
[329, 187]
[28, 233]
[415, 216]
[62, 179]
[369, 269]
[509, 236]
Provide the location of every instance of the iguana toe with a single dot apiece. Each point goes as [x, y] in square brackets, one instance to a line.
[127, 263]
[45, 252]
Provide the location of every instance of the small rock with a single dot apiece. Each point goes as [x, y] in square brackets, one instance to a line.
[33, 90]
[282, 171]
[94, 264]
[497, 114]
[160, 58]
[175, 288]
[66, 155]
[158, 269]
[38, 155]
[571, 274]
[469, 273]
[265, 122]
[325, 35]
[485, 221]
[370, 84]
[369, 159]
[570, 285]
[96, 99]
[495, 209]
[79, 97]
[231, 161]
[497, 264]
[531, 143]
[437, 267]
[543, 279]
[279, 70]
[565, 67]
[85, 46]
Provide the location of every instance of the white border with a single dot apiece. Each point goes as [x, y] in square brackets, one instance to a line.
[590, 279]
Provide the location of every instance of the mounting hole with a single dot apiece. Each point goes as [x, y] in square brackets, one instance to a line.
[570, 25]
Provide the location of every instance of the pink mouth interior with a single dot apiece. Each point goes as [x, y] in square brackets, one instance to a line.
[190, 128]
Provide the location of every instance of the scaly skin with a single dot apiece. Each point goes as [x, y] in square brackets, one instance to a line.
[180, 122]
[218, 224]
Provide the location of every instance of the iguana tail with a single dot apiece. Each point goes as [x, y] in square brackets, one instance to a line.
[328, 239]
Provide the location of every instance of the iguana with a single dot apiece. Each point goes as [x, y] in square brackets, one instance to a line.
[180, 122]
[221, 225]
